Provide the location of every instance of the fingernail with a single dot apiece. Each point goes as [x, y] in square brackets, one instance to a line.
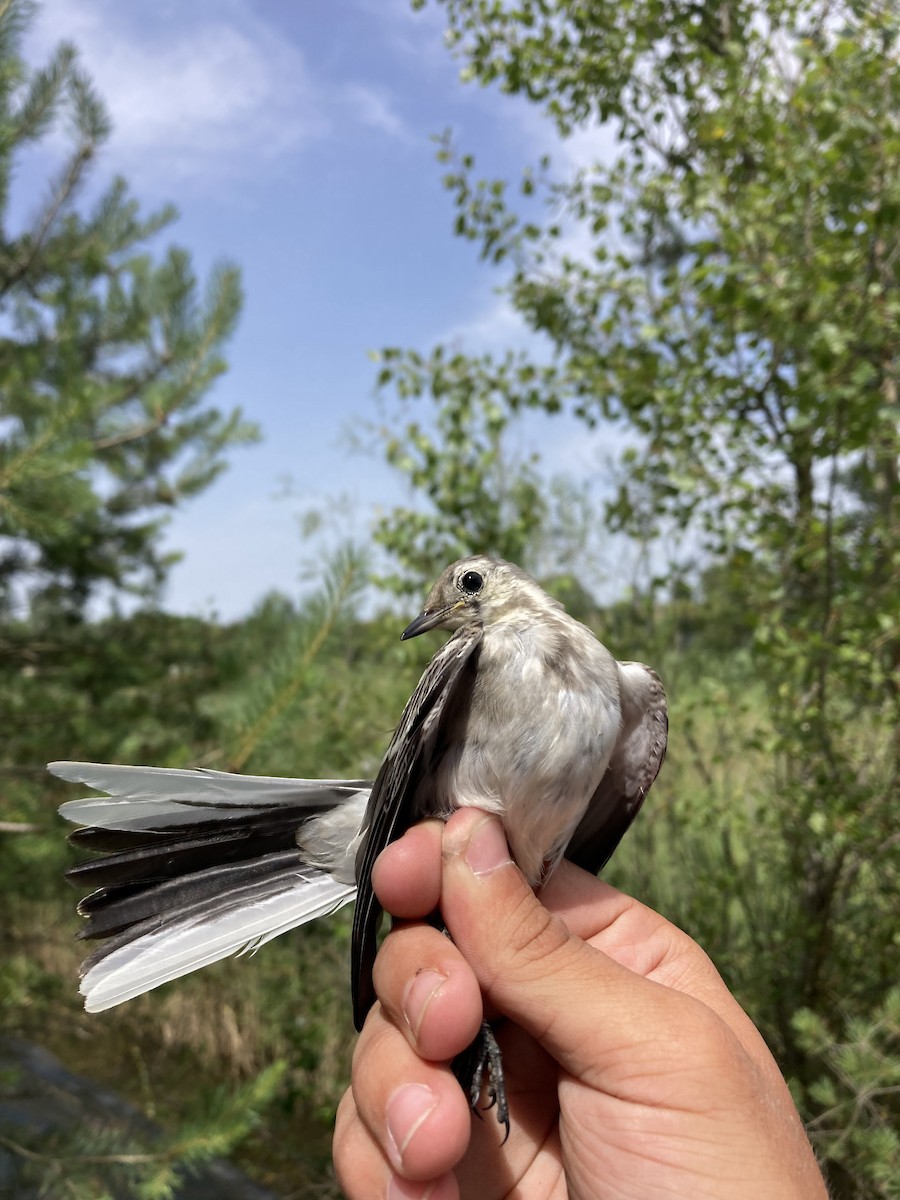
[424, 985]
[406, 1109]
[487, 849]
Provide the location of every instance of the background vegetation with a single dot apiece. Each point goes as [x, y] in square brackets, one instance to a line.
[725, 291]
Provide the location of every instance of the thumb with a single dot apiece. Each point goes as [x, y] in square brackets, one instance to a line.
[530, 966]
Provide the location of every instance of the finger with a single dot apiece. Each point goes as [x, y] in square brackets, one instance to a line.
[413, 1109]
[590, 1012]
[407, 874]
[363, 1171]
[428, 991]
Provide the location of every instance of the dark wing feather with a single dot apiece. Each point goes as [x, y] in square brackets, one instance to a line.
[412, 756]
[635, 763]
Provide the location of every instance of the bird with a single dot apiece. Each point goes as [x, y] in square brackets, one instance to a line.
[522, 712]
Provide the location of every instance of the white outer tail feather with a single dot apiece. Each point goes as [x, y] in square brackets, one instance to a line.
[180, 796]
[156, 958]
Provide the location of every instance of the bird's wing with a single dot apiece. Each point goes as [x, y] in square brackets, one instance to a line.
[635, 763]
[412, 756]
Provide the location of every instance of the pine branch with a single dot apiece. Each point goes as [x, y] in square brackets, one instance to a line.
[133, 434]
[19, 463]
[347, 573]
[92, 125]
[34, 245]
[93, 1159]
[38, 108]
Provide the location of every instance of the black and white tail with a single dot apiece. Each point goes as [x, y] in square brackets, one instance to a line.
[197, 865]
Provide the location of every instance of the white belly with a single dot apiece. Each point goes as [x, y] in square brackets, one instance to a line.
[536, 745]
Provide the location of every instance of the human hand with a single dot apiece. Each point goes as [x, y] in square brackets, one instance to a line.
[630, 1068]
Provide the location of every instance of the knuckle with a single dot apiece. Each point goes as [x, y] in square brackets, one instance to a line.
[703, 1035]
[534, 939]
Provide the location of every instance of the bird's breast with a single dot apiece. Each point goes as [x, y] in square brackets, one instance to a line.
[538, 733]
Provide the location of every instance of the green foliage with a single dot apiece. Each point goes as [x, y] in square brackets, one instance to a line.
[472, 493]
[477, 500]
[230, 1116]
[106, 356]
[856, 1128]
[100, 1159]
[97, 690]
[283, 666]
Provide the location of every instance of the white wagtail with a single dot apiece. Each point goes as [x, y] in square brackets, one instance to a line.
[522, 712]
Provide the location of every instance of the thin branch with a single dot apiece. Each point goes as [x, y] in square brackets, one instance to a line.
[67, 186]
[134, 434]
[134, 386]
[61, 1160]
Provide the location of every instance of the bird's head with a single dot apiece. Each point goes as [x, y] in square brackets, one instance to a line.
[476, 589]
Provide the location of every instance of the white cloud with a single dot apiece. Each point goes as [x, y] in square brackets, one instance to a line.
[373, 107]
[188, 99]
[202, 93]
[416, 34]
[494, 328]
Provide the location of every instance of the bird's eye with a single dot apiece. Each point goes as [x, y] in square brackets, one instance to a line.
[471, 582]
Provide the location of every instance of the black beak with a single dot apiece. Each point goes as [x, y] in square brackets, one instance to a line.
[429, 620]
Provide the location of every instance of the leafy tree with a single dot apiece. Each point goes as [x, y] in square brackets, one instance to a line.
[479, 499]
[106, 356]
[479, 495]
[727, 289]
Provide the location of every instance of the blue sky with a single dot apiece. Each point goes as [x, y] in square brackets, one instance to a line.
[295, 137]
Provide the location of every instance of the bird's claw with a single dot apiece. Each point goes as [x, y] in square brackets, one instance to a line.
[480, 1066]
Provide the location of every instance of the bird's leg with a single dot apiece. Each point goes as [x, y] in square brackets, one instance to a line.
[483, 1055]
[470, 1066]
